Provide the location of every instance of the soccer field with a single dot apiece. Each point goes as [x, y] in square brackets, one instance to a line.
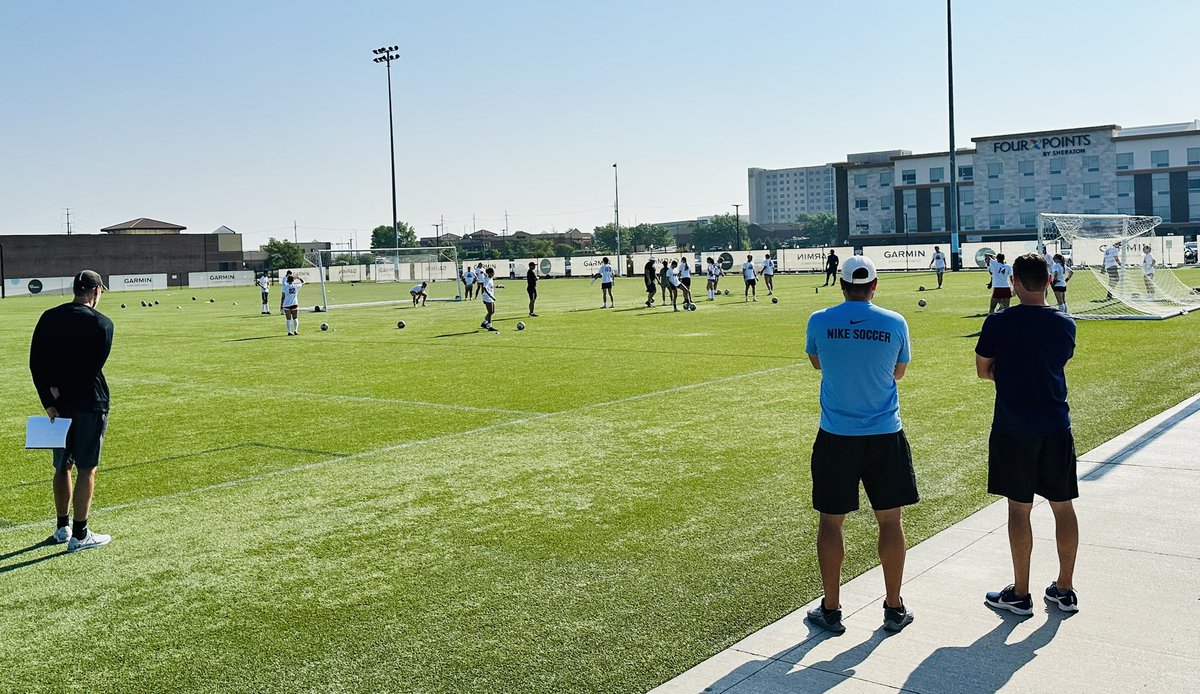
[593, 504]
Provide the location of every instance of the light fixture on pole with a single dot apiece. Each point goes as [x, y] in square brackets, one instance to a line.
[386, 55]
[737, 226]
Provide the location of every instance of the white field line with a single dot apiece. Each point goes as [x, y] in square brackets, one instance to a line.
[327, 396]
[411, 444]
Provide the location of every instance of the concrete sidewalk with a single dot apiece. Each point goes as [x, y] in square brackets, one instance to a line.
[1138, 577]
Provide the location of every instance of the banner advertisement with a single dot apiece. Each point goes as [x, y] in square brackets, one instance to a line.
[306, 274]
[232, 278]
[30, 286]
[808, 259]
[129, 283]
[346, 273]
[902, 257]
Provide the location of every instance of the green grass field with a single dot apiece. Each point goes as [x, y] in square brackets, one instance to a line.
[594, 504]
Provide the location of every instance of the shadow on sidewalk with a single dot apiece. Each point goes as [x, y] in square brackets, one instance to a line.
[1143, 440]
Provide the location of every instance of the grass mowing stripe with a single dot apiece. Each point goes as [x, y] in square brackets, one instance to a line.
[412, 444]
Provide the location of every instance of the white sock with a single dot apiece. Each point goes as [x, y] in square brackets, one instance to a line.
[288, 322]
[295, 325]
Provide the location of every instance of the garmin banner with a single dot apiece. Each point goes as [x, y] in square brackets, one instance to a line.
[238, 278]
[306, 274]
[910, 257]
[808, 259]
[32, 286]
[134, 283]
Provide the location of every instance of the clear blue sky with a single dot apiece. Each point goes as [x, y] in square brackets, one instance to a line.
[255, 114]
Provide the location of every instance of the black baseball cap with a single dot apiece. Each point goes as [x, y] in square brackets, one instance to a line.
[87, 280]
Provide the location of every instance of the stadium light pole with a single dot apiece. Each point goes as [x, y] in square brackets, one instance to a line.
[617, 215]
[952, 203]
[386, 55]
[737, 225]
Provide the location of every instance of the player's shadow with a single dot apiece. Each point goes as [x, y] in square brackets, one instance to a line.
[260, 337]
[987, 664]
[467, 332]
[975, 334]
[5, 568]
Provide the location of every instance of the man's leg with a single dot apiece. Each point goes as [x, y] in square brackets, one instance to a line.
[831, 551]
[1066, 535]
[891, 553]
[1020, 543]
[85, 484]
[62, 492]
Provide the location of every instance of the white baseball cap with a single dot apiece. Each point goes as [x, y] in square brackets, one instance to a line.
[858, 269]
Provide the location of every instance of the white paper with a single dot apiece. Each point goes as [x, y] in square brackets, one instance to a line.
[40, 432]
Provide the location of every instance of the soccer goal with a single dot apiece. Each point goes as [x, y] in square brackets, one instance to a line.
[420, 264]
[1118, 266]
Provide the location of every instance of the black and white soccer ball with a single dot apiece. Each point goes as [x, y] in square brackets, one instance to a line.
[726, 292]
[521, 325]
[774, 299]
[921, 303]
[324, 327]
[122, 305]
[400, 324]
[921, 288]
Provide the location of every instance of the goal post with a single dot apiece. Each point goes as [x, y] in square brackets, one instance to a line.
[1118, 266]
[414, 264]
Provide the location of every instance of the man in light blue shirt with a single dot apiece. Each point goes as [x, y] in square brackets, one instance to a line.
[862, 351]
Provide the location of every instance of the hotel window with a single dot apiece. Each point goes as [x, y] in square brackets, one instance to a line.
[885, 202]
[1025, 193]
[1160, 158]
[1092, 190]
[995, 170]
[1193, 182]
[1124, 161]
[1057, 192]
[910, 222]
[885, 179]
[995, 195]
[860, 180]
[1124, 210]
[937, 222]
[1029, 219]
[1160, 184]
[936, 197]
[966, 197]
[1091, 163]
[908, 177]
[1193, 156]
[1124, 187]
[995, 221]
[1162, 210]
[1025, 167]
[910, 198]
[967, 221]
[936, 174]
[966, 173]
[1056, 165]
[860, 204]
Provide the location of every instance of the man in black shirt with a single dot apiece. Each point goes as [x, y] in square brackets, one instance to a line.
[531, 288]
[66, 356]
[648, 274]
[1024, 350]
[831, 268]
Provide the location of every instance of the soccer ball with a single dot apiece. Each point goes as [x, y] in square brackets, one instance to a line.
[178, 307]
[156, 302]
[212, 301]
[726, 292]
[324, 327]
[521, 325]
[122, 305]
[235, 303]
[774, 299]
[921, 303]
[921, 288]
[400, 324]
[193, 298]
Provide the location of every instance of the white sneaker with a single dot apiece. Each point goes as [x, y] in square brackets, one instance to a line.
[90, 541]
[61, 535]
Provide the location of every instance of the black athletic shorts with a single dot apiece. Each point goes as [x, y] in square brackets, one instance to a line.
[85, 438]
[882, 462]
[532, 292]
[751, 283]
[686, 281]
[1059, 288]
[1021, 465]
[651, 288]
[606, 285]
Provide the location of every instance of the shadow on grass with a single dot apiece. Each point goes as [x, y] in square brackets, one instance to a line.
[468, 332]
[5, 568]
[260, 337]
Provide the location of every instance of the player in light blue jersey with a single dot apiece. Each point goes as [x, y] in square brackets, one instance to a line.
[862, 352]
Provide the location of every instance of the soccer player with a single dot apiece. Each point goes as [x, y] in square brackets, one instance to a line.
[283, 290]
[67, 353]
[748, 276]
[1060, 274]
[673, 282]
[531, 279]
[831, 268]
[264, 285]
[862, 351]
[606, 283]
[662, 280]
[938, 263]
[418, 293]
[1112, 265]
[713, 272]
[1001, 283]
[469, 282]
[1031, 450]
[291, 304]
[685, 280]
[487, 292]
[1148, 270]
[648, 274]
[768, 273]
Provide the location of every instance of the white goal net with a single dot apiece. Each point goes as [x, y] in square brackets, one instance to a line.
[420, 264]
[1118, 266]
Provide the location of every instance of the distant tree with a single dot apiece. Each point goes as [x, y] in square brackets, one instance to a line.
[563, 250]
[382, 236]
[605, 239]
[721, 231]
[820, 228]
[282, 253]
[646, 235]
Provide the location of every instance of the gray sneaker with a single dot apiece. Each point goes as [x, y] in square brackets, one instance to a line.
[829, 620]
[896, 618]
[90, 541]
[61, 535]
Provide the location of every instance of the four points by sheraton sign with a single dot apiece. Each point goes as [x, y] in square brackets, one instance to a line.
[1054, 145]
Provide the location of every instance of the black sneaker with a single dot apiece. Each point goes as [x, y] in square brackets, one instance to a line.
[1008, 599]
[1066, 600]
[896, 618]
[491, 329]
[829, 620]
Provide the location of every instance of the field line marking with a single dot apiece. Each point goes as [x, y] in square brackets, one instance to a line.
[411, 444]
[328, 396]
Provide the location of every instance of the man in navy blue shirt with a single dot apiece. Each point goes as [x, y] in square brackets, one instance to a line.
[1031, 450]
[862, 351]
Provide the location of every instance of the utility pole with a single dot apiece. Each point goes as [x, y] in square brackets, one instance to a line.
[617, 215]
[737, 225]
[386, 55]
[437, 233]
[952, 202]
[506, 223]
[68, 221]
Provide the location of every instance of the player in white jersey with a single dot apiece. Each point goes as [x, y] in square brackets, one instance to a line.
[1112, 265]
[748, 276]
[291, 304]
[1148, 270]
[1060, 274]
[768, 273]
[1001, 284]
[606, 283]
[264, 284]
[418, 293]
[469, 278]
[713, 273]
[673, 283]
[685, 280]
[283, 290]
[938, 263]
[487, 292]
